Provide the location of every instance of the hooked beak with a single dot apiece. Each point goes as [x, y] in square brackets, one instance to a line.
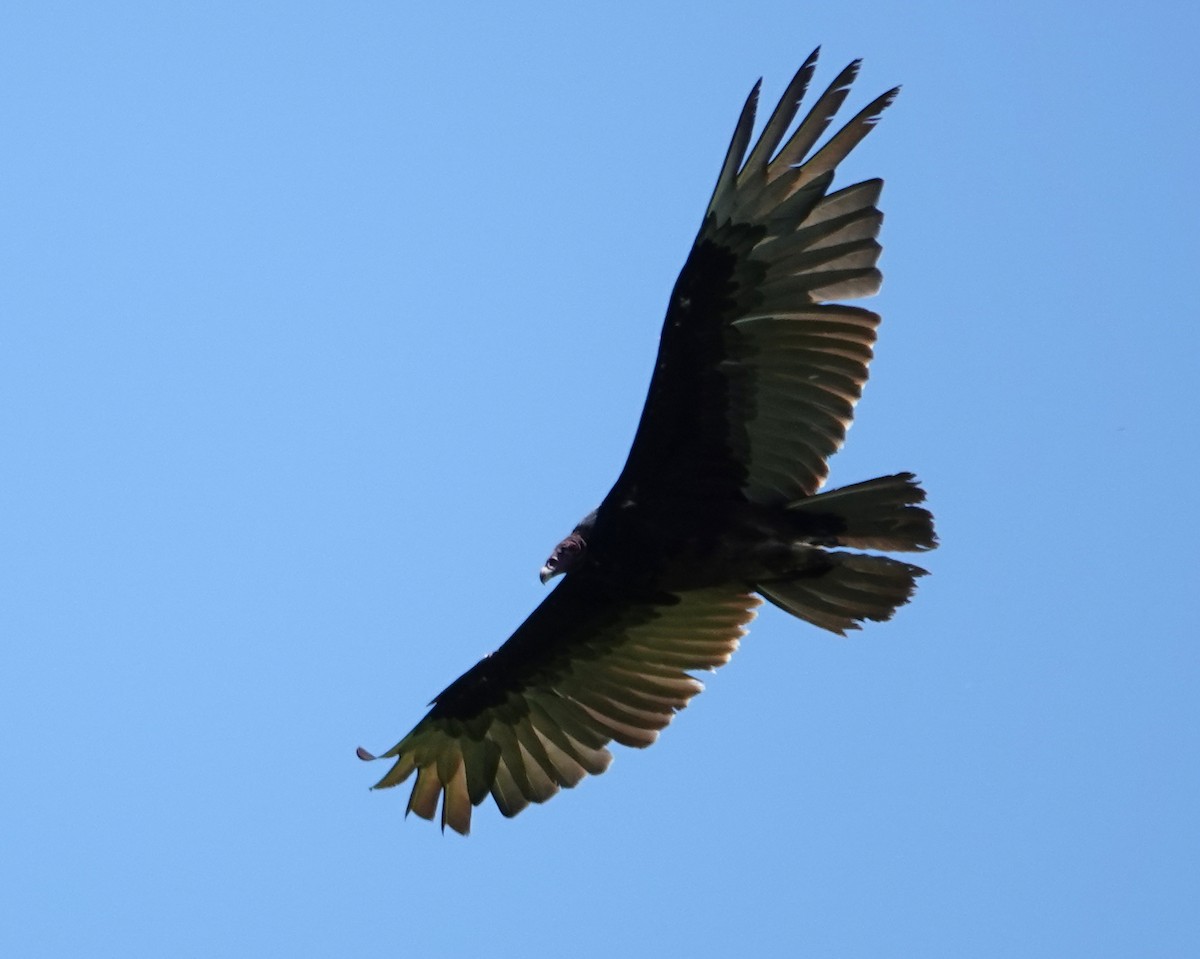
[547, 574]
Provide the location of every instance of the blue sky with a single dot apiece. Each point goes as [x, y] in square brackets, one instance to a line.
[321, 324]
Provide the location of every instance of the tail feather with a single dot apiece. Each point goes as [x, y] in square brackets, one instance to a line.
[877, 514]
[839, 594]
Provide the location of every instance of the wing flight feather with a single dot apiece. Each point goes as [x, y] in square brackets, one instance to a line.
[751, 328]
[522, 727]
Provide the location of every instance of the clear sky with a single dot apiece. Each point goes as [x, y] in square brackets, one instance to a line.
[321, 323]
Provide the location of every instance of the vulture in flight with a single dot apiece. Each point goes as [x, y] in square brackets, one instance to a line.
[758, 371]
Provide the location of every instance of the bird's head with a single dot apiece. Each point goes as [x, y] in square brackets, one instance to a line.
[570, 553]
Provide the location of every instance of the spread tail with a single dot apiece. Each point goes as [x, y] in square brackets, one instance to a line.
[837, 590]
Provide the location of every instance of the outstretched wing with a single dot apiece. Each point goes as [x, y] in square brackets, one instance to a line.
[587, 667]
[758, 373]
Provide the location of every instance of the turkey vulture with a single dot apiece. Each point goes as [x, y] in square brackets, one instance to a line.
[757, 375]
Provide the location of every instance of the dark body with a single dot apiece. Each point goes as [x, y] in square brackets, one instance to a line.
[717, 505]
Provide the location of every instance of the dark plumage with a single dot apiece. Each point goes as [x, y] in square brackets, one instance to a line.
[755, 385]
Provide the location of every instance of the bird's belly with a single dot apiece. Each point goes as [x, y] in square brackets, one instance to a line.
[681, 545]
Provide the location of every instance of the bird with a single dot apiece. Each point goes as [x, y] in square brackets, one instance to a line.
[719, 504]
